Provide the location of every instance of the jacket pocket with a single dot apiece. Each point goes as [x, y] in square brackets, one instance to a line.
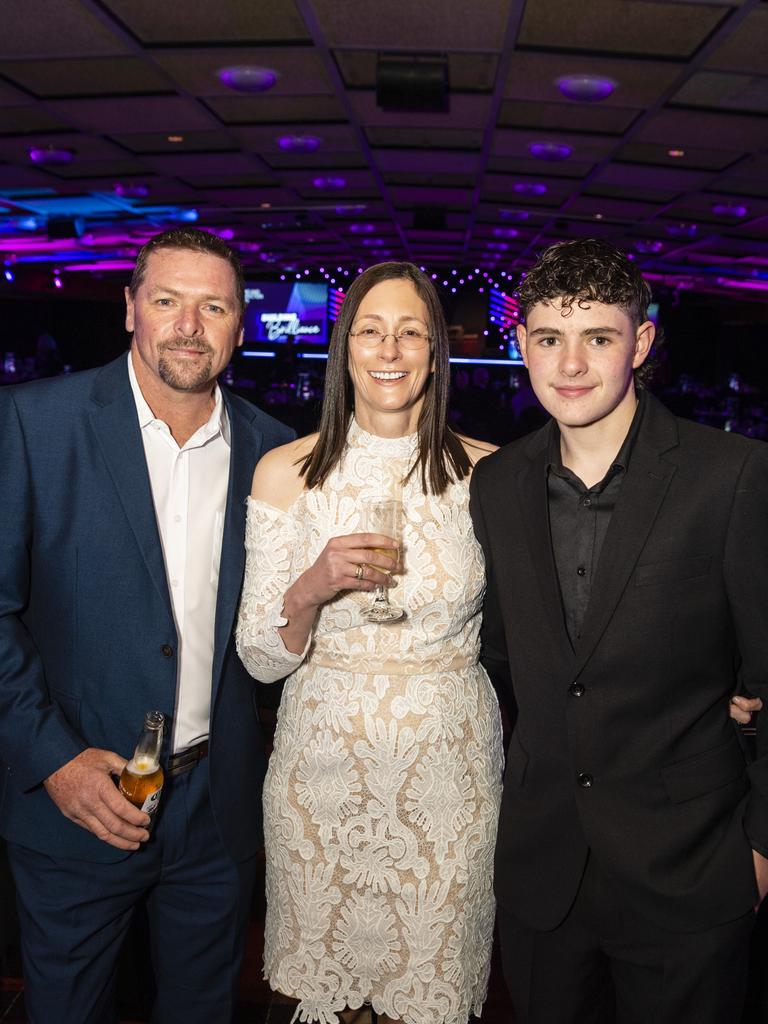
[704, 773]
[673, 571]
[517, 762]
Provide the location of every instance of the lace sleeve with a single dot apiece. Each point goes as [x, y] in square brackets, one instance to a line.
[271, 548]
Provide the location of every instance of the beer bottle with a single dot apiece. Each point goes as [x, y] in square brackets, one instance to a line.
[141, 781]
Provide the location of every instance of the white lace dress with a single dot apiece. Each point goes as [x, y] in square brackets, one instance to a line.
[382, 794]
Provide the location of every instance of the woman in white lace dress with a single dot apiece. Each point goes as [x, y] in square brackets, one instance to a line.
[382, 794]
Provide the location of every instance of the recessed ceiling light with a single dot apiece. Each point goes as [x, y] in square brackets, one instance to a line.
[175, 138]
[586, 88]
[505, 232]
[362, 229]
[299, 143]
[330, 182]
[514, 214]
[529, 188]
[247, 78]
[130, 190]
[550, 150]
[648, 245]
[676, 152]
[598, 216]
[51, 155]
[732, 210]
[682, 230]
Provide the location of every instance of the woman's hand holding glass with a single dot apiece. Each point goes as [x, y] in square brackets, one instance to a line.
[357, 561]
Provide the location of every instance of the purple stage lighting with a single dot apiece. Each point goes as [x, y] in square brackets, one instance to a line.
[585, 88]
[247, 78]
[514, 214]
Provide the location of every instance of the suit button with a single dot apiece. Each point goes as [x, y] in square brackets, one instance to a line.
[584, 779]
[166, 650]
[577, 689]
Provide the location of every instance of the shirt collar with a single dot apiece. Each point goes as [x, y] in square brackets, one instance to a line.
[621, 462]
[218, 422]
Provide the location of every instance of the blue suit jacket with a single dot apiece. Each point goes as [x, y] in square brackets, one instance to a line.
[87, 636]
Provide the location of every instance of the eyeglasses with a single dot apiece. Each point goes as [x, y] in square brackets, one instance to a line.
[406, 337]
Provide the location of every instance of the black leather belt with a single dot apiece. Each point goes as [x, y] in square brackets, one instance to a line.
[185, 760]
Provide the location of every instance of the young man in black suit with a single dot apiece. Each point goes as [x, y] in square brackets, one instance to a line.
[627, 560]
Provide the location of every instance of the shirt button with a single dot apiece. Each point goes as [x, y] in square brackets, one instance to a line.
[584, 779]
[166, 650]
[177, 519]
[577, 689]
[587, 502]
[581, 571]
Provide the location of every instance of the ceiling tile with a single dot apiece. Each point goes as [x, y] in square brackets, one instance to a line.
[642, 27]
[62, 29]
[226, 21]
[88, 76]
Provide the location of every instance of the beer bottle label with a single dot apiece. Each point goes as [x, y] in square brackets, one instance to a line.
[150, 804]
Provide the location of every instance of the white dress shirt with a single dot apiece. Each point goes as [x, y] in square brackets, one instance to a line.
[189, 491]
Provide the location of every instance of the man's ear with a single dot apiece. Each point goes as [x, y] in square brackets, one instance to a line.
[128, 311]
[644, 336]
[522, 342]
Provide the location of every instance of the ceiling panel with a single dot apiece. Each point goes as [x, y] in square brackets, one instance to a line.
[130, 87]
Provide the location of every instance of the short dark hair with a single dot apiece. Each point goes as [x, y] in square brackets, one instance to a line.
[441, 456]
[194, 240]
[586, 270]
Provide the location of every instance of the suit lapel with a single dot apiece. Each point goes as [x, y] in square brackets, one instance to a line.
[116, 428]
[642, 493]
[531, 492]
[246, 448]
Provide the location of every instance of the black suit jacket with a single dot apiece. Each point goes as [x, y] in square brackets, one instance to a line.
[623, 745]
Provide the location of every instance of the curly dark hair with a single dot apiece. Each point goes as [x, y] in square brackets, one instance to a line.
[586, 270]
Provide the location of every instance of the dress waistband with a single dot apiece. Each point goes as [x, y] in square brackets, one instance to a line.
[393, 666]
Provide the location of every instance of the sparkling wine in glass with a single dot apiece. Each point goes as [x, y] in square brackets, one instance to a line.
[382, 515]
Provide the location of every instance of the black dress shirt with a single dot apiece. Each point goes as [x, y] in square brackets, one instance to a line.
[578, 522]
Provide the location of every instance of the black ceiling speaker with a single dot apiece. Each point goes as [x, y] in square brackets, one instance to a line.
[65, 227]
[412, 82]
[429, 218]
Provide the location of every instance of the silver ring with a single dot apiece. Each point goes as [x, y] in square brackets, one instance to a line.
[359, 571]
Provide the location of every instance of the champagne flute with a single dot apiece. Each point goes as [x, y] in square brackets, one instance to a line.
[382, 515]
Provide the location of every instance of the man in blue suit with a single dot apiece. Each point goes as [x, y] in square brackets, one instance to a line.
[122, 516]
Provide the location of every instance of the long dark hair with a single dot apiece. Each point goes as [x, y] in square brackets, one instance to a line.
[441, 457]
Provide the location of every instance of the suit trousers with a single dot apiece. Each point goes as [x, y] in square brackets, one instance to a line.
[607, 964]
[75, 916]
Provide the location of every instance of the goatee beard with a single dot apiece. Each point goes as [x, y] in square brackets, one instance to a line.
[196, 377]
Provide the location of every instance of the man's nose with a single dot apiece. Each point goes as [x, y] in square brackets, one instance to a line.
[189, 322]
[573, 361]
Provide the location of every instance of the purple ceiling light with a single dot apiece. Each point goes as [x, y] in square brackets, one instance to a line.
[648, 246]
[362, 229]
[505, 232]
[130, 190]
[330, 182]
[299, 143]
[682, 230]
[51, 155]
[514, 214]
[585, 88]
[733, 210]
[529, 188]
[549, 150]
[247, 78]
